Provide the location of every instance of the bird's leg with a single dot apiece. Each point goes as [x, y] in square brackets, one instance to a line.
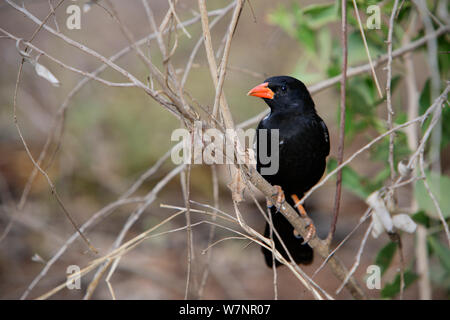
[280, 199]
[310, 225]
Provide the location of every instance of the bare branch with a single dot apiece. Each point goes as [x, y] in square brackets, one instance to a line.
[390, 111]
[340, 155]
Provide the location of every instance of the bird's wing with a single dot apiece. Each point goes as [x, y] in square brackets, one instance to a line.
[326, 136]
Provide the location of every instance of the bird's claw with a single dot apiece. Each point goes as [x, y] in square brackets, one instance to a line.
[311, 229]
[280, 198]
[311, 232]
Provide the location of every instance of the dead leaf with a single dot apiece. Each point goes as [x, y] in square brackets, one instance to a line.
[404, 222]
[46, 74]
[381, 215]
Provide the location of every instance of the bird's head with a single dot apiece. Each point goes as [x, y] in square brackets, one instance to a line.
[282, 93]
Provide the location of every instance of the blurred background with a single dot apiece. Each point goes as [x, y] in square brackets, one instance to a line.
[111, 136]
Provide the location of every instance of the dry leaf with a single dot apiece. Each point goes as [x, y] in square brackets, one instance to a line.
[380, 216]
[37, 258]
[46, 74]
[404, 222]
[377, 228]
[403, 169]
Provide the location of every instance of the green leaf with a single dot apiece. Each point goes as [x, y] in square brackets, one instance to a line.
[444, 63]
[421, 218]
[405, 11]
[360, 94]
[359, 111]
[306, 37]
[439, 185]
[302, 72]
[400, 118]
[357, 51]
[425, 99]
[324, 43]
[385, 255]
[333, 70]
[380, 151]
[351, 180]
[442, 252]
[424, 103]
[284, 19]
[445, 128]
[390, 290]
[381, 176]
[319, 15]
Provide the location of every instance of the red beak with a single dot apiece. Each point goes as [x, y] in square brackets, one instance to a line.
[262, 91]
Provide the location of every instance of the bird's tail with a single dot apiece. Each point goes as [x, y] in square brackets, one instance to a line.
[301, 253]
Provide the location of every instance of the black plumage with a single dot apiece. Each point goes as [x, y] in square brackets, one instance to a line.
[303, 147]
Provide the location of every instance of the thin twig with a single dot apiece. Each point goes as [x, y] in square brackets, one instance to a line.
[215, 183]
[365, 216]
[363, 35]
[54, 16]
[340, 155]
[390, 111]
[274, 267]
[36, 165]
[185, 185]
[223, 66]
[135, 215]
[358, 258]
[58, 121]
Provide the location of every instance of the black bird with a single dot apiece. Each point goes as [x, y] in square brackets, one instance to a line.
[304, 145]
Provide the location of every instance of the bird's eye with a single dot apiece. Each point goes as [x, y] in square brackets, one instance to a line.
[283, 88]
